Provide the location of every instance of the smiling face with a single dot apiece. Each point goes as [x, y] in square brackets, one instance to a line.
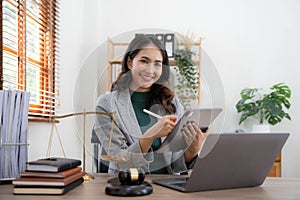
[146, 68]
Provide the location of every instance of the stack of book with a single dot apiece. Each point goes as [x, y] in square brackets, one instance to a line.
[49, 176]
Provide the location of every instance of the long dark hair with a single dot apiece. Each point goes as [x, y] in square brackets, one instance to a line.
[159, 92]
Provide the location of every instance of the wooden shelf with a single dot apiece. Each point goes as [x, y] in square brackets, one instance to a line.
[115, 62]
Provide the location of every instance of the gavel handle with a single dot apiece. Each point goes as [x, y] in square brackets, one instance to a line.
[113, 180]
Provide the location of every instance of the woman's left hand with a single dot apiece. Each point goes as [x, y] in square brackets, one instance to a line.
[194, 137]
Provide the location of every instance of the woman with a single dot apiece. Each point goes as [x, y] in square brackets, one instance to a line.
[143, 84]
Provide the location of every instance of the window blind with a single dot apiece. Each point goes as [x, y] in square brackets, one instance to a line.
[30, 50]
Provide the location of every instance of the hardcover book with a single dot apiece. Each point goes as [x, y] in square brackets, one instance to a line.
[47, 189]
[52, 164]
[44, 181]
[61, 174]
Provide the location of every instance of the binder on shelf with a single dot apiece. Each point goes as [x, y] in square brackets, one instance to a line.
[169, 40]
[159, 36]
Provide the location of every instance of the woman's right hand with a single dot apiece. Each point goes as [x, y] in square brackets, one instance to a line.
[160, 129]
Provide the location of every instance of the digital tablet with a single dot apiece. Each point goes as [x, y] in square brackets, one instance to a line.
[202, 116]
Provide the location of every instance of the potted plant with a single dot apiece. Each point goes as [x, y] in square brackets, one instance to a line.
[187, 72]
[265, 107]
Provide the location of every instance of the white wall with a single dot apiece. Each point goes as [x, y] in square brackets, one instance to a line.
[252, 43]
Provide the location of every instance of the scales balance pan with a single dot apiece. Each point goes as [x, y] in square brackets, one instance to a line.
[111, 157]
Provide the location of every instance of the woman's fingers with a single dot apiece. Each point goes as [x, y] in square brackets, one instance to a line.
[188, 135]
[169, 121]
[192, 131]
[196, 128]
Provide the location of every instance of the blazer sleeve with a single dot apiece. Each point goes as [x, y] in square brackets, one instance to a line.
[122, 144]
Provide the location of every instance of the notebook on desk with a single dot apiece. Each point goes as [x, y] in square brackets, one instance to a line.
[230, 160]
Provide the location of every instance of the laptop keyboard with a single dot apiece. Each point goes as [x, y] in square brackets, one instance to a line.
[182, 184]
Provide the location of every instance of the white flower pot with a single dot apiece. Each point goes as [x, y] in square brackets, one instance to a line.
[261, 128]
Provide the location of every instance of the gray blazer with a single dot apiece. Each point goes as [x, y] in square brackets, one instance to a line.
[126, 134]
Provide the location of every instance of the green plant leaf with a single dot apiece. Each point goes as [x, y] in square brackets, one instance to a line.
[248, 93]
[268, 106]
[248, 110]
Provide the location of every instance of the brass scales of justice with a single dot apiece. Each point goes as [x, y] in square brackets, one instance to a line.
[108, 157]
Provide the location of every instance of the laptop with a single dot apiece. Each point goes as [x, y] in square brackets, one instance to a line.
[203, 117]
[230, 160]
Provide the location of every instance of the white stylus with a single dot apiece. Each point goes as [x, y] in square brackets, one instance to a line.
[152, 114]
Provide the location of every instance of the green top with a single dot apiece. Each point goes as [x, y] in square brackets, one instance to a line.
[138, 100]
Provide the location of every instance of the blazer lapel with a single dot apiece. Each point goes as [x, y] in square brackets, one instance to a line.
[127, 115]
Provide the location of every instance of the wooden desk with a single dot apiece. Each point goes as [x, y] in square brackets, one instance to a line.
[273, 188]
